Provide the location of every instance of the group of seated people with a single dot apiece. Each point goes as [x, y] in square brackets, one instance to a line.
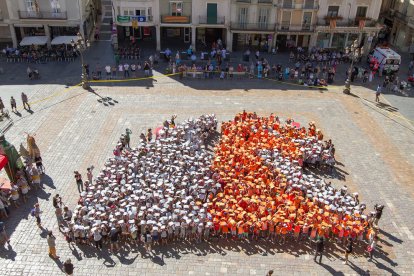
[37, 54]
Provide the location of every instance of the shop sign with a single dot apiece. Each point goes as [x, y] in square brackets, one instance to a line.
[139, 18]
[123, 19]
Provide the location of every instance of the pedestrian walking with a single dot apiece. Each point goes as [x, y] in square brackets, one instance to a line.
[1, 106]
[59, 216]
[348, 250]
[13, 104]
[36, 213]
[319, 249]
[51, 242]
[270, 273]
[378, 93]
[25, 101]
[68, 267]
[79, 182]
[371, 247]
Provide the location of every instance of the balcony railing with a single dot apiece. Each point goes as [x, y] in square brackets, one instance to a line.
[182, 19]
[347, 23]
[265, 1]
[42, 15]
[244, 1]
[298, 6]
[286, 27]
[252, 26]
[218, 20]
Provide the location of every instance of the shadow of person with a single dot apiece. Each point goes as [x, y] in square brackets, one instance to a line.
[330, 269]
[8, 253]
[108, 261]
[58, 263]
[29, 111]
[17, 113]
[48, 181]
[75, 252]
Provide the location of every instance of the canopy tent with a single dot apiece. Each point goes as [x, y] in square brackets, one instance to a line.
[65, 39]
[3, 161]
[5, 184]
[33, 40]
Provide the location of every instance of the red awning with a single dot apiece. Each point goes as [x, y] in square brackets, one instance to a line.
[3, 161]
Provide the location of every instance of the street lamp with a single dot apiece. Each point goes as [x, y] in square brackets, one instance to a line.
[353, 53]
[80, 45]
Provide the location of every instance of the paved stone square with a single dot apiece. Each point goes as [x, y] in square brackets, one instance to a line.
[75, 129]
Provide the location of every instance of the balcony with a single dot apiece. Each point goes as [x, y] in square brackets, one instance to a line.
[42, 15]
[290, 5]
[252, 26]
[175, 19]
[286, 27]
[346, 23]
[265, 1]
[219, 20]
[243, 1]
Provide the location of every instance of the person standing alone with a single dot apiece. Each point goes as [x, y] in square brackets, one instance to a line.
[25, 101]
[79, 182]
[319, 249]
[51, 242]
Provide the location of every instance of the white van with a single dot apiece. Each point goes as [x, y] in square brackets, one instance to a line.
[386, 57]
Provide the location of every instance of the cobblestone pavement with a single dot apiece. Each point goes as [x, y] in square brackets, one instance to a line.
[75, 129]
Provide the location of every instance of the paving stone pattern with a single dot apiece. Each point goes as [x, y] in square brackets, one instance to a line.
[74, 130]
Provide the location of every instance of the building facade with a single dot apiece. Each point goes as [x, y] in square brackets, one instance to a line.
[340, 24]
[399, 17]
[5, 35]
[137, 20]
[296, 22]
[48, 18]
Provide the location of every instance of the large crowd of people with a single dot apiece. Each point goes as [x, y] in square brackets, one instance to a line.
[172, 188]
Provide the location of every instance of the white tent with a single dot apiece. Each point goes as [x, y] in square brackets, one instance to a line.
[64, 40]
[33, 40]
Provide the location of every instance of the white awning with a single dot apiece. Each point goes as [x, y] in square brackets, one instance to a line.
[63, 40]
[33, 40]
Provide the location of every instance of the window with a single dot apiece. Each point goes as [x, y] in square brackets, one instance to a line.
[361, 12]
[333, 11]
[140, 12]
[243, 16]
[263, 15]
[286, 20]
[309, 4]
[55, 6]
[31, 6]
[176, 8]
[130, 12]
[307, 20]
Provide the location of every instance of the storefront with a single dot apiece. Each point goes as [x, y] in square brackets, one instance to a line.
[242, 41]
[134, 29]
[206, 36]
[175, 37]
